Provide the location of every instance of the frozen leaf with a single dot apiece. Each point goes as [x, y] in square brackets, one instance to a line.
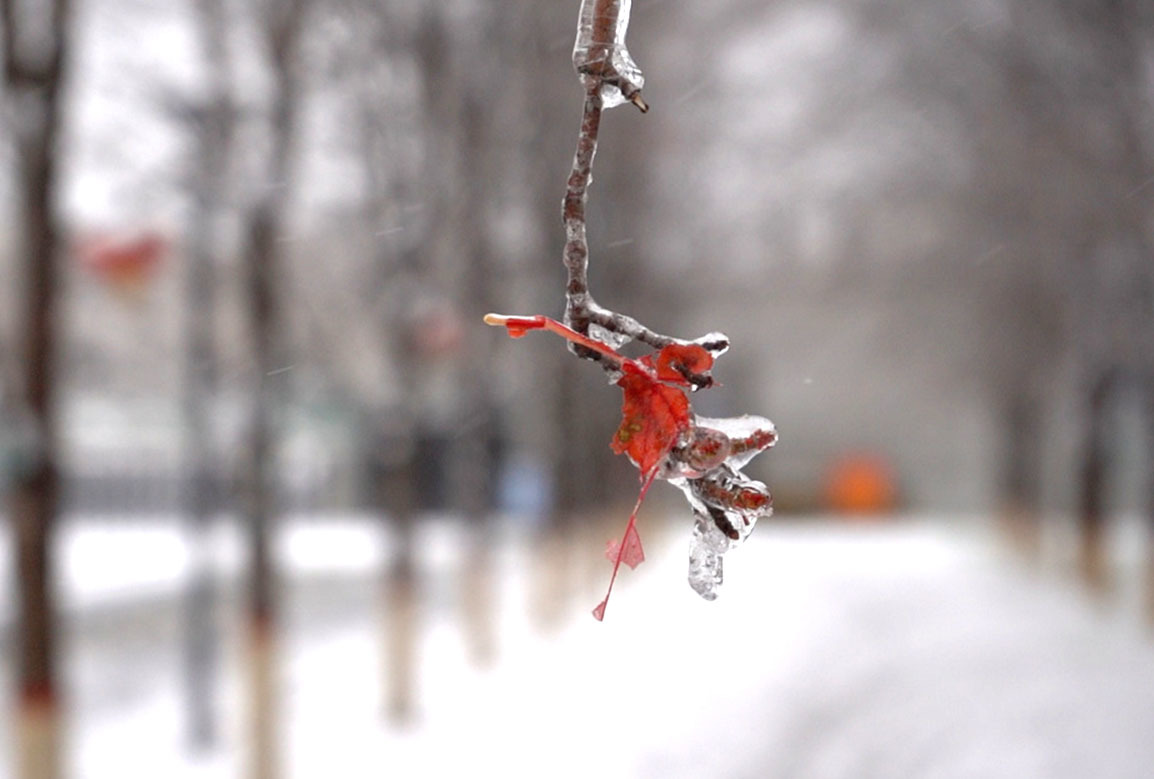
[653, 417]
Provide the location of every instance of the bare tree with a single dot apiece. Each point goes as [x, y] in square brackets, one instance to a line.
[280, 23]
[397, 269]
[35, 42]
[212, 123]
[1112, 285]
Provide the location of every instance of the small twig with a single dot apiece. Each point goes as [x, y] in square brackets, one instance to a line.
[576, 252]
[627, 325]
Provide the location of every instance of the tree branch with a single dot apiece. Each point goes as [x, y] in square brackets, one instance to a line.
[604, 64]
[41, 69]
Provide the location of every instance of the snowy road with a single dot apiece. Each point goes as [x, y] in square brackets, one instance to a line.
[899, 650]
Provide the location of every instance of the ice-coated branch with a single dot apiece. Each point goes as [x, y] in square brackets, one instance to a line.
[610, 77]
[578, 302]
[659, 431]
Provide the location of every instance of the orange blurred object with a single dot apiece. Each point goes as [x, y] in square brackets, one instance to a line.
[861, 484]
[125, 265]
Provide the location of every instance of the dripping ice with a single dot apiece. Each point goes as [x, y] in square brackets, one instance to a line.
[726, 503]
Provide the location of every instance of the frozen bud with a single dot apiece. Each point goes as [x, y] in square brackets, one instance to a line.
[707, 449]
[600, 53]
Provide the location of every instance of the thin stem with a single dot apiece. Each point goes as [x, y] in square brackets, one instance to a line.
[631, 527]
[519, 325]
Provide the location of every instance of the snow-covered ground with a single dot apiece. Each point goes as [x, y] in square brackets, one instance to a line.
[911, 648]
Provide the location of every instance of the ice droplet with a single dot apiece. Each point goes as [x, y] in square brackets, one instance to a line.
[609, 59]
[608, 337]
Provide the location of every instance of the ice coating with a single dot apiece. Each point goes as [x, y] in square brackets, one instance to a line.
[733, 441]
[726, 503]
[714, 342]
[610, 338]
[749, 434]
[600, 52]
[726, 507]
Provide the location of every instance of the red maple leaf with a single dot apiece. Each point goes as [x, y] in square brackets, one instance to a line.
[653, 416]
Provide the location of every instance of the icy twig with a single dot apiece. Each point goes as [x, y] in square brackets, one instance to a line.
[578, 302]
[604, 66]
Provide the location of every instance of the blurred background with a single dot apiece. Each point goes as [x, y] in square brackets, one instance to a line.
[277, 504]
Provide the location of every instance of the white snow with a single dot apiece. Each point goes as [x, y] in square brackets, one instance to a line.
[899, 649]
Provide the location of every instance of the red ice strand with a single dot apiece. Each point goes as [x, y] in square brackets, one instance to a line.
[630, 527]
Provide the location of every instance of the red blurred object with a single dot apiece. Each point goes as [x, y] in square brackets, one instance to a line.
[126, 265]
[438, 332]
[861, 484]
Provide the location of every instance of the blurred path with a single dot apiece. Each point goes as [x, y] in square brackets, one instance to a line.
[908, 649]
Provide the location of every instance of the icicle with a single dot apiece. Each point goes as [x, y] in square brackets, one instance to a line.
[726, 506]
[706, 549]
[600, 52]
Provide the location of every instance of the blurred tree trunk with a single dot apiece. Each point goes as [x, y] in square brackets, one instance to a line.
[1149, 399]
[212, 122]
[398, 499]
[1092, 474]
[476, 461]
[1020, 473]
[281, 25]
[458, 107]
[393, 426]
[35, 53]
